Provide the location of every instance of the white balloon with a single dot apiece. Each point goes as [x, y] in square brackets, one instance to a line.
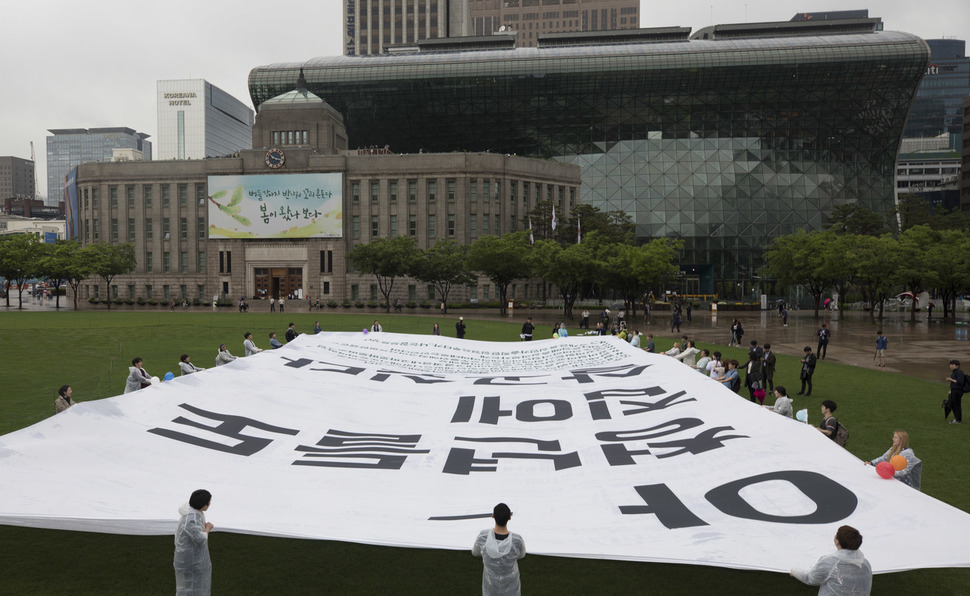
[156, 380]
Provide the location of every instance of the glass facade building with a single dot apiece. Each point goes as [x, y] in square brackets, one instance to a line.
[68, 148]
[938, 109]
[724, 143]
[196, 120]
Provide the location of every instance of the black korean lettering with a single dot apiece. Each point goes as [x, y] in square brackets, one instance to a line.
[339, 368]
[585, 375]
[599, 408]
[708, 440]
[231, 427]
[618, 454]
[464, 461]
[833, 502]
[341, 449]
[663, 503]
[420, 379]
[508, 380]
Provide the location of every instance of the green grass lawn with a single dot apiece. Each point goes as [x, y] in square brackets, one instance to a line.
[91, 351]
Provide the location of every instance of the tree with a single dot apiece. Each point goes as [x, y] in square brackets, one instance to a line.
[611, 226]
[631, 270]
[914, 269]
[836, 260]
[443, 266]
[799, 259]
[20, 256]
[58, 264]
[876, 260]
[110, 260]
[950, 260]
[567, 267]
[385, 258]
[855, 219]
[502, 260]
[541, 221]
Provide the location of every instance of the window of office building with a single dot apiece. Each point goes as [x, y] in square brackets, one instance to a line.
[393, 226]
[432, 189]
[114, 229]
[113, 195]
[166, 293]
[165, 195]
[148, 262]
[451, 189]
[184, 262]
[183, 194]
[131, 229]
[355, 191]
[473, 224]
[166, 229]
[146, 193]
[167, 262]
[148, 291]
[130, 196]
[375, 191]
[184, 228]
[392, 190]
[412, 225]
[200, 194]
[375, 226]
[355, 226]
[432, 230]
[201, 265]
[412, 191]
[200, 227]
[451, 225]
[473, 190]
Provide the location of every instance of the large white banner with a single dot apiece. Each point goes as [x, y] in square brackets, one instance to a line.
[601, 451]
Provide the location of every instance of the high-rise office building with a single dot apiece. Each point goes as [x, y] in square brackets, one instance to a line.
[531, 18]
[196, 120]
[938, 108]
[70, 147]
[16, 178]
[370, 26]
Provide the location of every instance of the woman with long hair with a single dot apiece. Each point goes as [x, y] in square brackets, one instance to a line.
[910, 475]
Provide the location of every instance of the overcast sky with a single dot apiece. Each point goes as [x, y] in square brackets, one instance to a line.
[69, 64]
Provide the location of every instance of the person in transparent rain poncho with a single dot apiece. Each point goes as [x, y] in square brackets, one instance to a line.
[500, 551]
[846, 572]
[193, 568]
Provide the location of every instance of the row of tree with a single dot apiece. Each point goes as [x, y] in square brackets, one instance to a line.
[593, 267]
[920, 259]
[24, 257]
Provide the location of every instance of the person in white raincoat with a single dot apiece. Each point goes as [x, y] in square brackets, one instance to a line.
[500, 551]
[846, 572]
[193, 568]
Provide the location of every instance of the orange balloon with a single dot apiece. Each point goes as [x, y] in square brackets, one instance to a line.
[899, 462]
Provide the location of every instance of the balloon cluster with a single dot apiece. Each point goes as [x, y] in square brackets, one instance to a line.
[888, 469]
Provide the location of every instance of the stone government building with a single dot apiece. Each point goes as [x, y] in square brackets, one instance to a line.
[166, 210]
[725, 138]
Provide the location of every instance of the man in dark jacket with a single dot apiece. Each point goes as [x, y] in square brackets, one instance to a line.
[808, 369]
[769, 368]
[956, 380]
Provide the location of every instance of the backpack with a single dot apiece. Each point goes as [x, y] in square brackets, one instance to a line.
[966, 383]
[841, 434]
[736, 384]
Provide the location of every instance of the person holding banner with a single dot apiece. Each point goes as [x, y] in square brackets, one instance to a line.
[138, 377]
[460, 327]
[500, 551]
[193, 568]
[846, 572]
[249, 346]
[909, 474]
